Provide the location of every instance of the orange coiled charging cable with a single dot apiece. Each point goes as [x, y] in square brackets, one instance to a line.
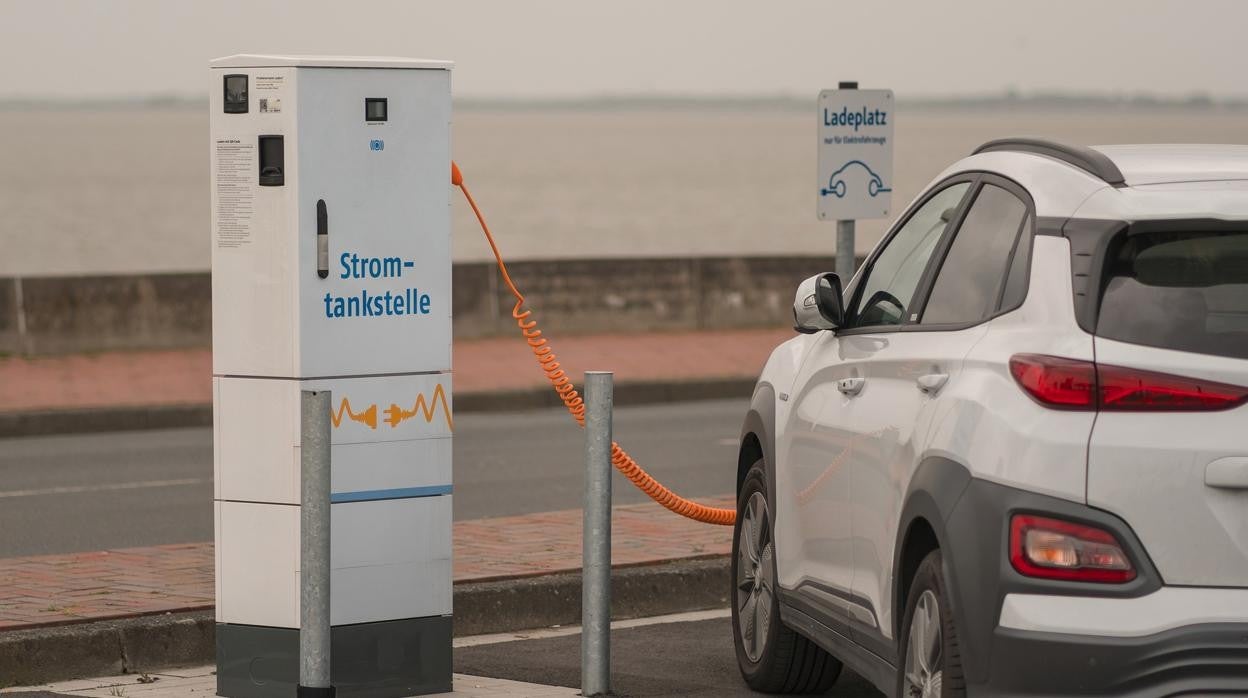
[572, 399]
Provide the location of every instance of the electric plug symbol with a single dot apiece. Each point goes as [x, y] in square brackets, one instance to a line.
[396, 415]
[368, 416]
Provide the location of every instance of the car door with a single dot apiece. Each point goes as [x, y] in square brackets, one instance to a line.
[910, 384]
[814, 496]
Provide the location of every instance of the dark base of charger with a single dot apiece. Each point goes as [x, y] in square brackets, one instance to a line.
[388, 659]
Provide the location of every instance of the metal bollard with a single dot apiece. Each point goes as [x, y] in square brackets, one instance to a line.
[845, 229]
[314, 549]
[845, 251]
[596, 537]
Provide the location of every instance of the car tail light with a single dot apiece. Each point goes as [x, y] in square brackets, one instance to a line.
[1071, 384]
[1128, 389]
[1055, 549]
[1066, 384]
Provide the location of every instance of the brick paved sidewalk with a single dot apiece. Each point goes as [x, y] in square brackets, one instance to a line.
[58, 589]
[153, 378]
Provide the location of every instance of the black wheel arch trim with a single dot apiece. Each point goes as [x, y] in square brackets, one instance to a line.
[760, 421]
[970, 520]
[934, 491]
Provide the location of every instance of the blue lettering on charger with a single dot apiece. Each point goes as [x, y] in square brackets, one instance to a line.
[357, 267]
[409, 301]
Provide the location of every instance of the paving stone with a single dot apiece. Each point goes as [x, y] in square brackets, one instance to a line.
[171, 578]
[184, 377]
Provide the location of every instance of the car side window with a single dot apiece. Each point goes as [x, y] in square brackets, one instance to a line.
[890, 285]
[1019, 277]
[970, 279]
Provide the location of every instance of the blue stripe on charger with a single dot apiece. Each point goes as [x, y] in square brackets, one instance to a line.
[396, 493]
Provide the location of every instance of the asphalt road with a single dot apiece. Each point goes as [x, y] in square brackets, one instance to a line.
[99, 491]
[667, 659]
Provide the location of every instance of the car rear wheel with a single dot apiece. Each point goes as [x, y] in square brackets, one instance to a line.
[931, 664]
[772, 657]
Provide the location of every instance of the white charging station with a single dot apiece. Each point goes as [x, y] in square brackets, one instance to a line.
[331, 270]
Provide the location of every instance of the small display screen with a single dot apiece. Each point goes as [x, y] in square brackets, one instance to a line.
[235, 94]
[375, 109]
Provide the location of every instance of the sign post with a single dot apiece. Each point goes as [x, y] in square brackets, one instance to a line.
[855, 149]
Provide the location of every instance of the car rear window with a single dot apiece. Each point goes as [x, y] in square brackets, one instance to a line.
[1184, 291]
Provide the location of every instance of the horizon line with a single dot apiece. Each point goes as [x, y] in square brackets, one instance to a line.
[659, 99]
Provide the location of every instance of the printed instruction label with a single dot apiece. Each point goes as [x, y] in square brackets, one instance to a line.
[271, 104]
[269, 82]
[236, 166]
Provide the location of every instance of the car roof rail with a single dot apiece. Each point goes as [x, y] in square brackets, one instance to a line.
[1091, 161]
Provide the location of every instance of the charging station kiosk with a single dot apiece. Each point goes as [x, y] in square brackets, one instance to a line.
[331, 270]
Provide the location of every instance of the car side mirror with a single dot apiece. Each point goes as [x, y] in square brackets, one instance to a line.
[818, 304]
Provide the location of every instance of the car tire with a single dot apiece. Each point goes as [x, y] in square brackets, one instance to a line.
[930, 663]
[772, 657]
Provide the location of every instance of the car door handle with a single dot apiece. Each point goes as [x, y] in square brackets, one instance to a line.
[1228, 473]
[933, 382]
[851, 386]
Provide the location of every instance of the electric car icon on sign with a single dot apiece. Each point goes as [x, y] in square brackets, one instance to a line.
[837, 182]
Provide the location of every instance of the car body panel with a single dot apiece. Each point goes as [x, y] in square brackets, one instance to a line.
[1002, 435]
[1178, 162]
[890, 424]
[1167, 608]
[1151, 468]
[1218, 200]
[780, 373]
[814, 544]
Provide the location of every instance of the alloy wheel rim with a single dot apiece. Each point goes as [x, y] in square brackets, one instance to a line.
[755, 576]
[924, 675]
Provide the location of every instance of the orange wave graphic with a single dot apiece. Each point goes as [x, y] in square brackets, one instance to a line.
[396, 415]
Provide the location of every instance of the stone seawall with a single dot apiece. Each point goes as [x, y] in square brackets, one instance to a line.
[74, 314]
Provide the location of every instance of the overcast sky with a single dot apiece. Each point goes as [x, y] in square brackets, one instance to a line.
[569, 48]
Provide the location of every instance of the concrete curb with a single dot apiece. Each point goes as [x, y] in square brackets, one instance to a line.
[150, 643]
[555, 599]
[105, 648]
[126, 418]
[97, 419]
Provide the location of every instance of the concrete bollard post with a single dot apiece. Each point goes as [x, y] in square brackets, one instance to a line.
[596, 541]
[314, 547]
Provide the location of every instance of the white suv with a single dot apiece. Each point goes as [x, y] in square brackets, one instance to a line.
[1012, 458]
